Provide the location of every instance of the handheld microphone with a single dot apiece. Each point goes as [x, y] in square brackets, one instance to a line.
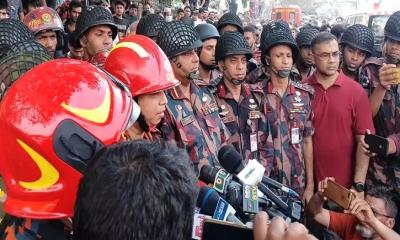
[210, 203]
[240, 196]
[232, 161]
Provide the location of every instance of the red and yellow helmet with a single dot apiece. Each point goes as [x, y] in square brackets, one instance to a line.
[141, 64]
[43, 19]
[53, 120]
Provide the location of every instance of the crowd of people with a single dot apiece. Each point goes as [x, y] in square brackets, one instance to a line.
[109, 111]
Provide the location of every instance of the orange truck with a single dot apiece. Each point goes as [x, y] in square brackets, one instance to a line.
[290, 14]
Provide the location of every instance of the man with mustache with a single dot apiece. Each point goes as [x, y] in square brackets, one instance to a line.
[240, 103]
[191, 118]
[209, 75]
[357, 44]
[370, 218]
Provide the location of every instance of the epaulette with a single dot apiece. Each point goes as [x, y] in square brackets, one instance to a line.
[256, 87]
[304, 86]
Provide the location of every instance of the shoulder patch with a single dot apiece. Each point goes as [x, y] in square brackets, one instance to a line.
[304, 86]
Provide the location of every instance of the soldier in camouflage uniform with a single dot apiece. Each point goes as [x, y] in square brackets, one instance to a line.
[380, 77]
[262, 72]
[304, 63]
[287, 108]
[192, 118]
[357, 44]
[209, 75]
[150, 25]
[95, 32]
[238, 102]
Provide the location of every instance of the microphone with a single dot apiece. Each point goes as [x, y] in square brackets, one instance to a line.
[211, 204]
[232, 161]
[241, 197]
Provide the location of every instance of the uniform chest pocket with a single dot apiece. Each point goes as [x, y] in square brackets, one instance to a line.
[188, 130]
[297, 120]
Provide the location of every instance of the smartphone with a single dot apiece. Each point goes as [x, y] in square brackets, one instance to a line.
[377, 144]
[338, 194]
[221, 230]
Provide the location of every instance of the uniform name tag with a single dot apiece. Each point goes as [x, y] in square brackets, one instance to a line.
[295, 134]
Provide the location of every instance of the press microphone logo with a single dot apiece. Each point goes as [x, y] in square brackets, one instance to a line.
[221, 180]
[221, 210]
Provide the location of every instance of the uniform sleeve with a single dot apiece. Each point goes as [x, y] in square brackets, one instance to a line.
[168, 130]
[362, 114]
[342, 224]
[265, 145]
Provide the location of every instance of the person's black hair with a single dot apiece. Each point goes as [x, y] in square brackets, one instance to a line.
[3, 4]
[180, 10]
[133, 5]
[250, 28]
[322, 37]
[324, 28]
[146, 12]
[187, 7]
[136, 190]
[72, 41]
[388, 195]
[338, 30]
[32, 3]
[120, 2]
[74, 4]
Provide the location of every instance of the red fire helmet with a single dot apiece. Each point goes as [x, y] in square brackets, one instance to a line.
[53, 120]
[141, 64]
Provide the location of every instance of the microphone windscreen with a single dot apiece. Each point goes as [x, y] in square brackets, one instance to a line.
[230, 159]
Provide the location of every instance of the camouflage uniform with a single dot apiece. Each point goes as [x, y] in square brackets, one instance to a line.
[244, 120]
[384, 170]
[289, 117]
[215, 78]
[29, 229]
[194, 124]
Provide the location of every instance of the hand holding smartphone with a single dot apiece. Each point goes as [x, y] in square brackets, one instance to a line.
[377, 144]
[338, 194]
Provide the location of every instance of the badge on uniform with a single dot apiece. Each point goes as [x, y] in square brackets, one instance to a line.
[210, 108]
[297, 98]
[295, 135]
[253, 142]
[254, 114]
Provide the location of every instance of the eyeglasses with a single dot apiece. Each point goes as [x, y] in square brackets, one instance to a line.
[381, 214]
[327, 56]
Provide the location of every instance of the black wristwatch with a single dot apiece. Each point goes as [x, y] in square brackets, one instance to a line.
[359, 186]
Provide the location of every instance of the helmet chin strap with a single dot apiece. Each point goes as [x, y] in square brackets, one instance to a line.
[191, 75]
[281, 73]
[236, 81]
[194, 75]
